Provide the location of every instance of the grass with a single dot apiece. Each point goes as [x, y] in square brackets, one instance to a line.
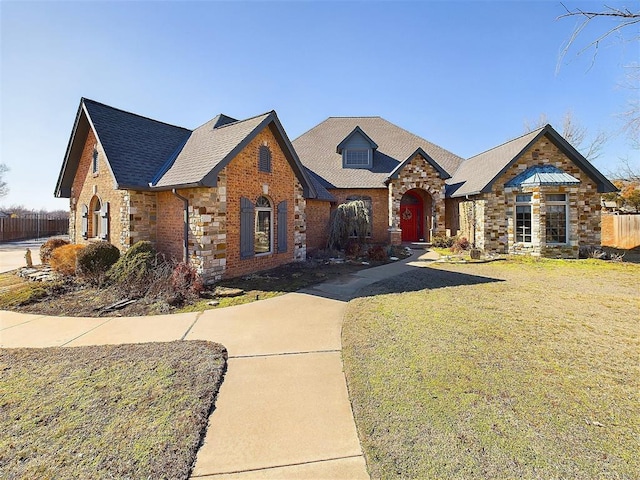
[125, 411]
[526, 368]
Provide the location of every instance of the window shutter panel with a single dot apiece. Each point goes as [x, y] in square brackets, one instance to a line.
[104, 219]
[246, 228]
[85, 222]
[282, 226]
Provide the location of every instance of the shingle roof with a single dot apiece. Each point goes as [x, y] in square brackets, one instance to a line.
[477, 172]
[542, 175]
[317, 151]
[205, 149]
[135, 146]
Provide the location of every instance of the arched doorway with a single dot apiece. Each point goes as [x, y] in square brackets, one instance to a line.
[416, 216]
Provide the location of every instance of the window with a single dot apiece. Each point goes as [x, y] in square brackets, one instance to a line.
[95, 220]
[523, 218]
[94, 161]
[556, 218]
[264, 159]
[263, 237]
[356, 157]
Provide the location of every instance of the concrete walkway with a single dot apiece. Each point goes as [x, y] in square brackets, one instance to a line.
[283, 410]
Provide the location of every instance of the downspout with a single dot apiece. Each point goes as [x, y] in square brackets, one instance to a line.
[185, 201]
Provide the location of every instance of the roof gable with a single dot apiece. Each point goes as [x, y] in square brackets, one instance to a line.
[478, 174]
[355, 133]
[396, 171]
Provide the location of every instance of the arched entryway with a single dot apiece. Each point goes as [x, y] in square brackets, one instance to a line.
[416, 216]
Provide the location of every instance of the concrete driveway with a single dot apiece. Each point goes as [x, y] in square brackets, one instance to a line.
[12, 253]
[283, 410]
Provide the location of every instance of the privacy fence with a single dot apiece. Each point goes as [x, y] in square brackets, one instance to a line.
[621, 231]
[32, 226]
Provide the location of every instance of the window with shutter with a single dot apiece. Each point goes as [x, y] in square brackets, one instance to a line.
[246, 228]
[263, 227]
[282, 226]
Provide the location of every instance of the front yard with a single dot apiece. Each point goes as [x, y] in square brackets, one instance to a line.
[513, 369]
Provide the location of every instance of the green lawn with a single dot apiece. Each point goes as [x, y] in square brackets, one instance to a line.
[512, 369]
[125, 411]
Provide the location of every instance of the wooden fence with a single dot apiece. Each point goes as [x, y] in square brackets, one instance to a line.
[32, 226]
[621, 231]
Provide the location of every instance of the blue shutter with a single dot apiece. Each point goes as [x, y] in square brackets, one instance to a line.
[282, 226]
[246, 228]
[264, 161]
[104, 221]
[84, 228]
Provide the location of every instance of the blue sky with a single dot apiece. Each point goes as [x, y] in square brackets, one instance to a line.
[464, 75]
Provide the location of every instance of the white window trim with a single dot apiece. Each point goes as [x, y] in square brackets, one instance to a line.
[96, 219]
[565, 203]
[515, 220]
[271, 225]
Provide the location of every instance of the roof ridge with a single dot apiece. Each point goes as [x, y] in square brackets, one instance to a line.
[85, 99]
[351, 116]
[245, 119]
[536, 131]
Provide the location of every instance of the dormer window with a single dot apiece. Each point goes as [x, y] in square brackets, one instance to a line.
[357, 150]
[357, 157]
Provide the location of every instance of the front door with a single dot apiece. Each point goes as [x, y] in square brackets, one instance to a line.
[409, 222]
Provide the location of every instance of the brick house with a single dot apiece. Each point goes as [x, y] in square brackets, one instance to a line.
[535, 194]
[236, 196]
[229, 196]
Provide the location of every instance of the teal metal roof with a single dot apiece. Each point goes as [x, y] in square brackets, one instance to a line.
[542, 175]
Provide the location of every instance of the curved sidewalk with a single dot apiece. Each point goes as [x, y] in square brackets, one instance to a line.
[283, 410]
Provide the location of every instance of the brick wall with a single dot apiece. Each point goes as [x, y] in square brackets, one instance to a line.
[318, 214]
[379, 205]
[170, 227]
[88, 186]
[243, 179]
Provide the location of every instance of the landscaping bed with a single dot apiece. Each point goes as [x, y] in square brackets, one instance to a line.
[524, 368]
[123, 411]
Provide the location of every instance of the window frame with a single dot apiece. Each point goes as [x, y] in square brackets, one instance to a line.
[556, 203]
[522, 203]
[96, 218]
[258, 209]
[347, 163]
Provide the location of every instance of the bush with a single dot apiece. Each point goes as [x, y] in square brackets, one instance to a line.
[185, 281]
[350, 218]
[95, 260]
[377, 253]
[352, 248]
[64, 259]
[132, 269]
[47, 248]
[442, 241]
[460, 244]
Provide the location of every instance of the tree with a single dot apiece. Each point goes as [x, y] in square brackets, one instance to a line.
[575, 134]
[621, 21]
[4, 188]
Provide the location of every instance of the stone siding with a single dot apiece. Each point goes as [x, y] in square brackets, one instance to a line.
[419, 174]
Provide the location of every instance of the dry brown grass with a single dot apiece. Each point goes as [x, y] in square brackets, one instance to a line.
[125, 411]
[517, 369]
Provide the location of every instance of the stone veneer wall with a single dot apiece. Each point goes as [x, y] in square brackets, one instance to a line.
[499, 207]
[468, 211]
[419, 174]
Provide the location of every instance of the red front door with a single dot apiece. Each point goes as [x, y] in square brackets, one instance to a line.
[409, 221]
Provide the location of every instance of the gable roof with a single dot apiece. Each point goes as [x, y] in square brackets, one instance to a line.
[356, 131]
[317, 151]
[145, 154]
[478, 174]
[135, 146]
[423, 154]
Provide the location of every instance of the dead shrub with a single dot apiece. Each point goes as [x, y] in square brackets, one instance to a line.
[186, 282]
[460, 244]
[64, 259]
[377, 253]
[47, 248]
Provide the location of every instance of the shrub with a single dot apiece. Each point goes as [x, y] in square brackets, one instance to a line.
[47, 248]
[64, 259]
[352, 248]
[377, 253]
[185, 281]
[460, 244]
[133, 268]
[95, 260]
[351, 218]
[442, 241]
